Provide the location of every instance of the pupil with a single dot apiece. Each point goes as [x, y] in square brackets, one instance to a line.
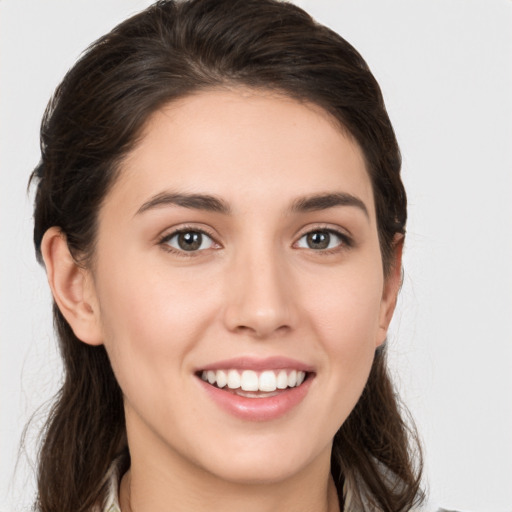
[318, 240]
[190, 241]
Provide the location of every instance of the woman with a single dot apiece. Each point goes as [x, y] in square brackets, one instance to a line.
[221, 217]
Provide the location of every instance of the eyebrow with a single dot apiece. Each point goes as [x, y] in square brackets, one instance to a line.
[192, 201]
[319, 202]
[206, 202]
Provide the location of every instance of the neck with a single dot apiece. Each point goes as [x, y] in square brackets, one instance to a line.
[134, 498]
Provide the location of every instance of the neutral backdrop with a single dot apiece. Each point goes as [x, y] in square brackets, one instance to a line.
[445, 67]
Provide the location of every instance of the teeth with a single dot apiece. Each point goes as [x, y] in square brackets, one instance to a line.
[222, 379]
[233, 379]
[282, 380]
[267, 381]
[249, 380]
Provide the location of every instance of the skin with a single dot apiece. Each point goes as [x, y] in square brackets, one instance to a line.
[255, 288]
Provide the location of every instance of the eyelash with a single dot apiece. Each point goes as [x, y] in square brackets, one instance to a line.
[345, 241]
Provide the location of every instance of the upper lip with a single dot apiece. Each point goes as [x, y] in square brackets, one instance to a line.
[258, 364]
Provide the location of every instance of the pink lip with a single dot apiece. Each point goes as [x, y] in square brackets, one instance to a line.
[256, 364]
[258, 409]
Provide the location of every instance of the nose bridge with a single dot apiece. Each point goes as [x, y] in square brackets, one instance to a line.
[260, 291]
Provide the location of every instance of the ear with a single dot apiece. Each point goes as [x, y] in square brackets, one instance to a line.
[72, 288]
[392, 284]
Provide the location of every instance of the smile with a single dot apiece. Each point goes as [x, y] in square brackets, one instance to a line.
[267, 381]
[257, 389]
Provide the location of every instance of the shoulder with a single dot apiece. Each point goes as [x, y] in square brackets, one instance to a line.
[352, 502]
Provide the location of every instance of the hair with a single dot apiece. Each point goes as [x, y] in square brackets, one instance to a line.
[96, 116]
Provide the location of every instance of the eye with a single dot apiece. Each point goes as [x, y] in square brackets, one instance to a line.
[188, 240]
[322, 239]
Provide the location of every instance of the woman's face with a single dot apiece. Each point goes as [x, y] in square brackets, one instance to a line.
[239, 245]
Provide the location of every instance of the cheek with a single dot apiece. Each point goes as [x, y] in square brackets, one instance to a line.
[346, 317]
[347, 310]
[150, 321]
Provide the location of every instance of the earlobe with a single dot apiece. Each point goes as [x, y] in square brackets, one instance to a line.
[392, 284]
[72, 287]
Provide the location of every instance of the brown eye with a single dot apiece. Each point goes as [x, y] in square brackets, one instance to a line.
[322, 239]
[189, 241]
[318, 240]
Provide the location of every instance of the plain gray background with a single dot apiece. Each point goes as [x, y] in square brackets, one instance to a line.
[445, 67]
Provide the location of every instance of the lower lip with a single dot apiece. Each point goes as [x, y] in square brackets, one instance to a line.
[258, 409]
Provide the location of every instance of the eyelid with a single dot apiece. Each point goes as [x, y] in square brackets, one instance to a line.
[325, 226]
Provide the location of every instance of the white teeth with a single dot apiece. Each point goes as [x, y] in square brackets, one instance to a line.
[282, 380]
[267, 381]
[249, 380]
[222, 379]
[233, 379]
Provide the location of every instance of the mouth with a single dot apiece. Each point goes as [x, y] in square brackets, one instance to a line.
[255, 384]
[257, 389]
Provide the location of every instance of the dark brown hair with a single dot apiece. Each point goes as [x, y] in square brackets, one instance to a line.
[166, 52]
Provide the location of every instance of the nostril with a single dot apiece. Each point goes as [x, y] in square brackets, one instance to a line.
[262, 329]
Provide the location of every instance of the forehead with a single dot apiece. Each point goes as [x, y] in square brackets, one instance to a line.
[243, 144]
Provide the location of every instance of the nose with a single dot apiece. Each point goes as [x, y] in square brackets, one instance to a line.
[260, 298]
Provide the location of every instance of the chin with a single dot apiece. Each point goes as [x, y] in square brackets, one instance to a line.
[266, 472]
[267, 463]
